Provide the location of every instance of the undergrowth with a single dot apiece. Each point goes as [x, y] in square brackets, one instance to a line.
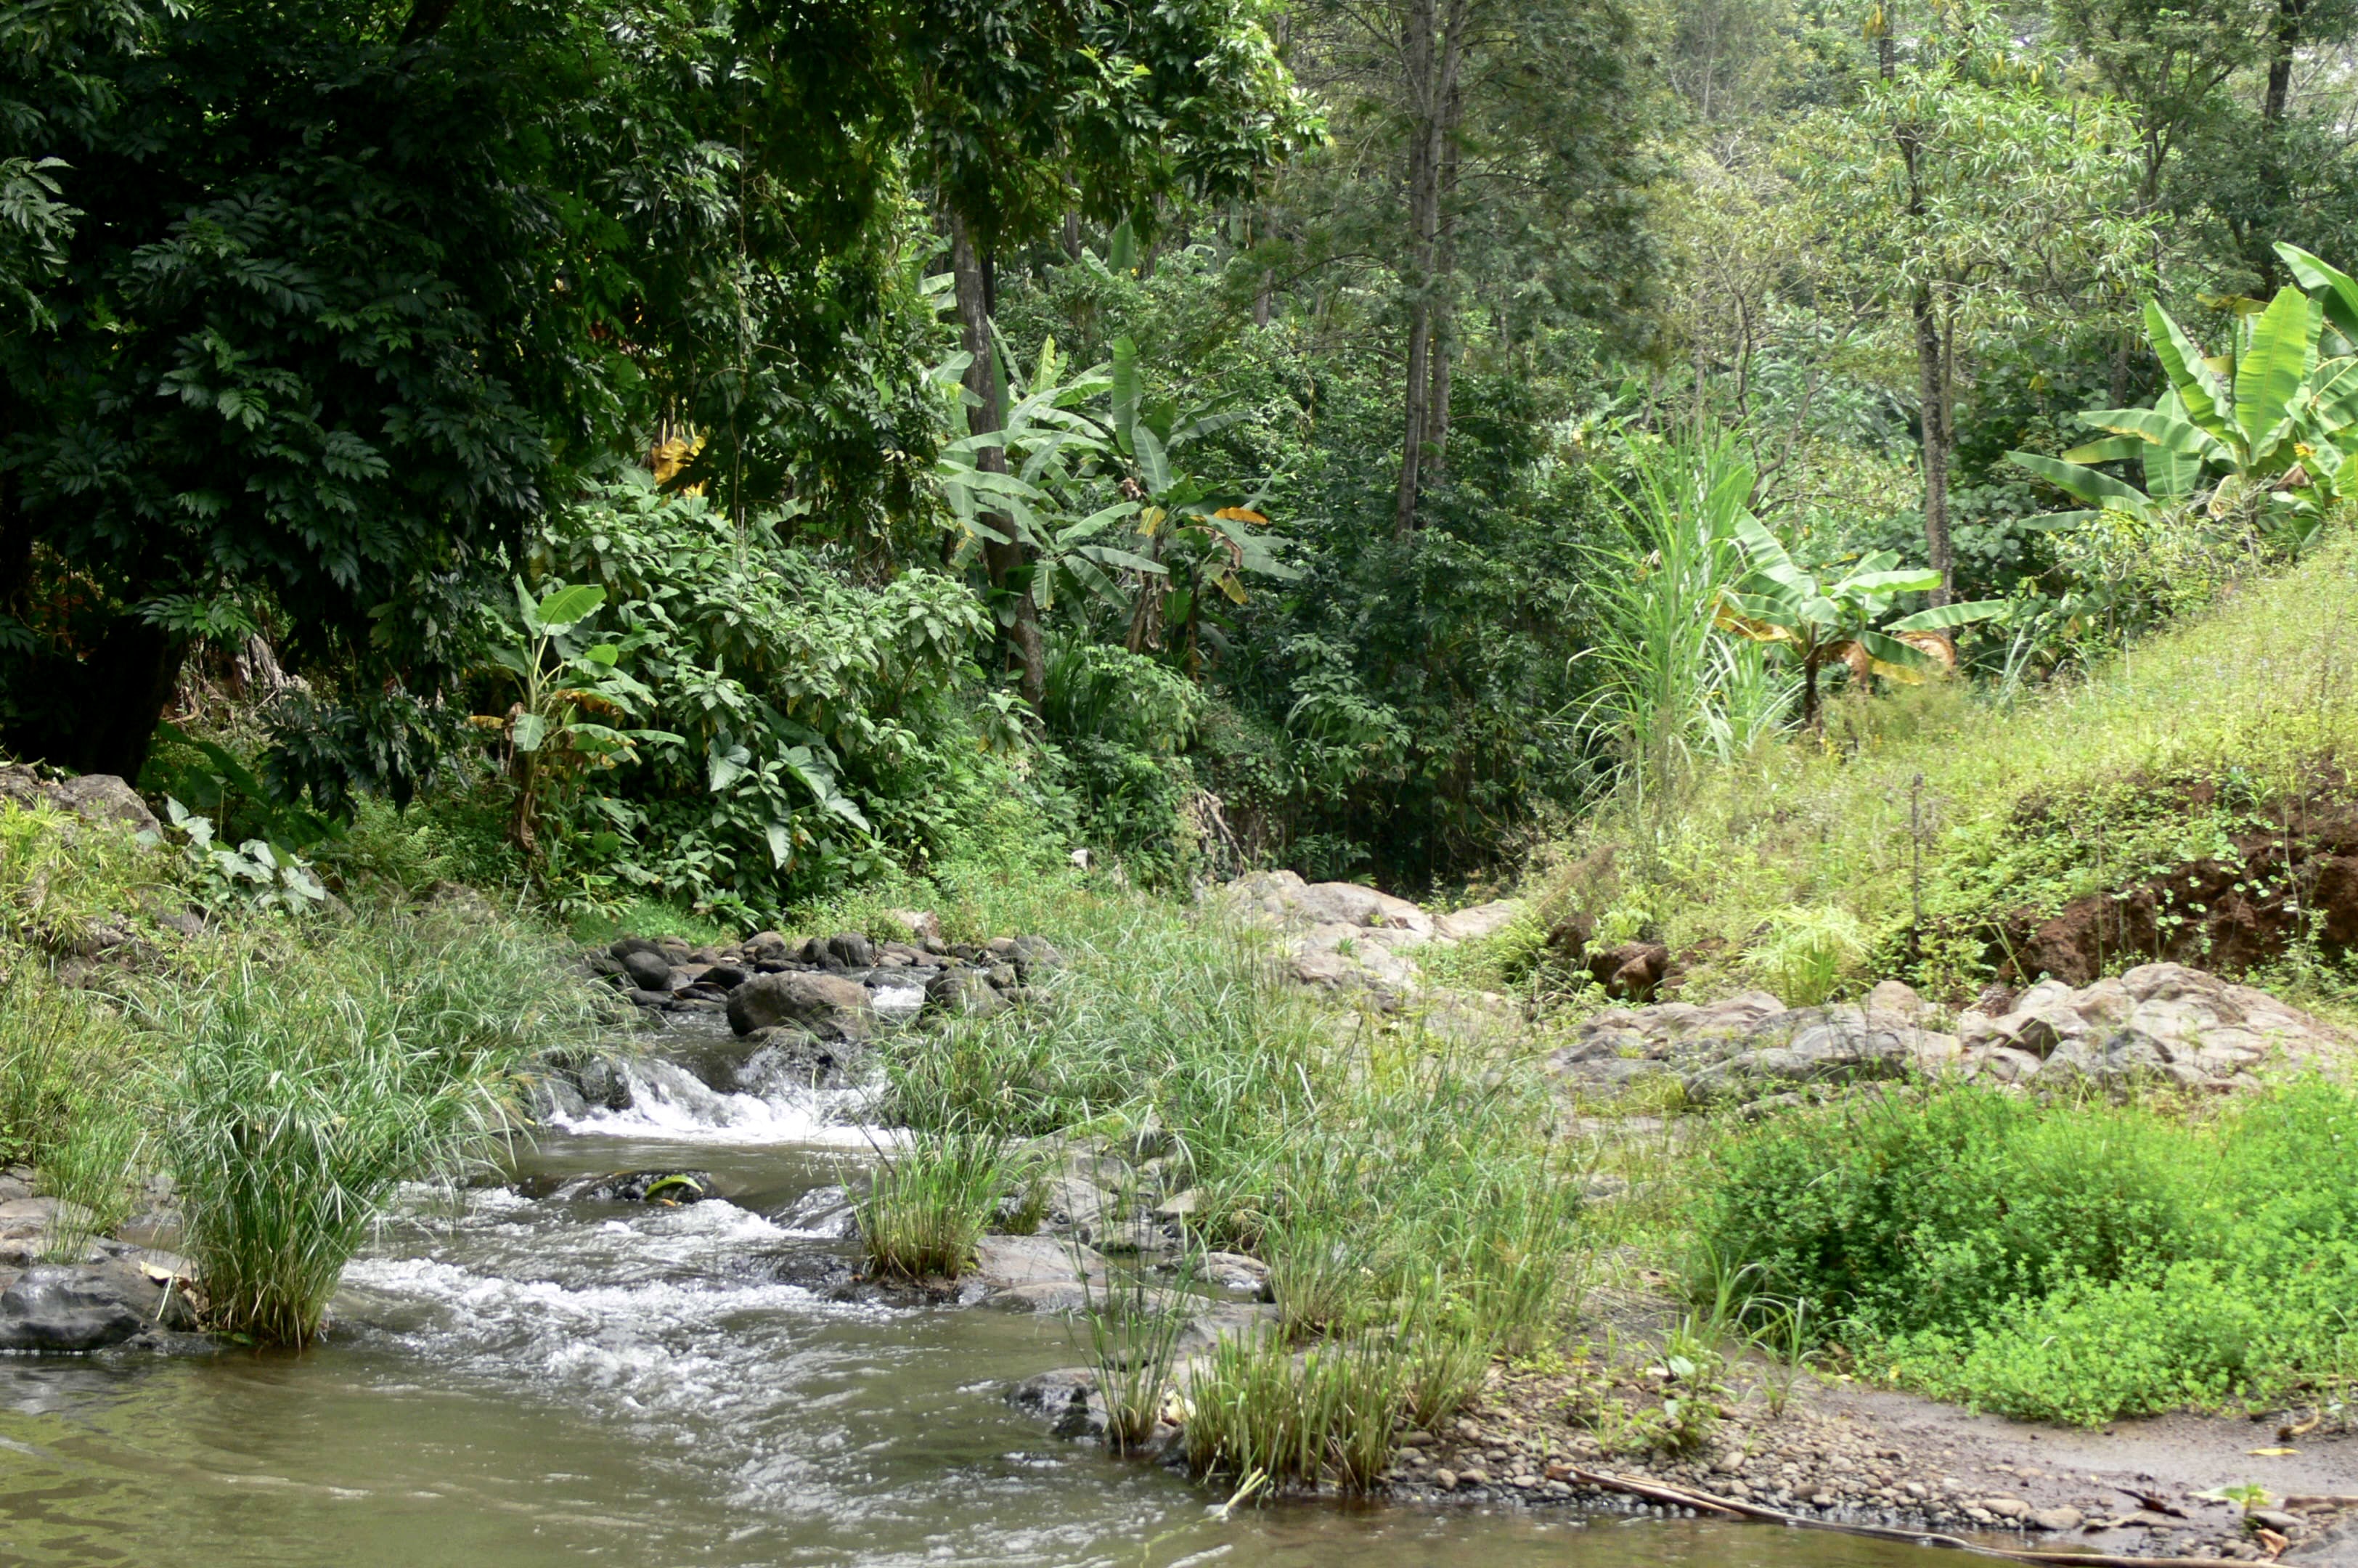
[2073, 1262]
[1982, 812]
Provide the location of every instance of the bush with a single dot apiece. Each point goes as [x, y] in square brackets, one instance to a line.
[305, 1091]
[2073, 1262]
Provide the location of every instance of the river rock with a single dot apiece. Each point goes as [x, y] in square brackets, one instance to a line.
[1066, 1399]
[1005, 1262]
[785, 1058]
[1035, 957]
[646, 967]
[1484, 920]
[965, 993]
[642, 1186]
[829, 1006]
[58, 1307]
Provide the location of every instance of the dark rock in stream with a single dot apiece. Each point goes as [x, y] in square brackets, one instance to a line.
[829, 1006]
[647, 969]
[77, 1308]
[642, 1186]
[793, 1058]
[1066, 1399]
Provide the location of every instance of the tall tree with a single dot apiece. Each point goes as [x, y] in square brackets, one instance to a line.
[1033, 110]
[1490, 151]
[1966, 190]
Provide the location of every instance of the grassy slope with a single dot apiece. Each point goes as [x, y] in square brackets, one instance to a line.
[2154, 760]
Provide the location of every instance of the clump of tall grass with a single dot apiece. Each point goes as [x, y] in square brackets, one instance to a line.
[304, 1091]
[1330, 1413]
[932, 1199]
[58, 1048]
[91, 1169]
[1809, 953]
[1133, 1339]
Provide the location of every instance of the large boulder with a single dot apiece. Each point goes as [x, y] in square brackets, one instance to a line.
[93, 797]
[829, 1006]
[58, 1307]
[965, 993]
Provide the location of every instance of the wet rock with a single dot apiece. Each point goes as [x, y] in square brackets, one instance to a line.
[1066, 1399]
[1007, 1262]
[58, 1307]
[2062, 1517]
[851, 950]
[795, 1058]
[646, 967]
[642, 1186]
[829, 1006]
[965, 993]
[1248, 1277]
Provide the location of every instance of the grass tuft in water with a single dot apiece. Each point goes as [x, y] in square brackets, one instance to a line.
[930, 1201]
[305, 1092]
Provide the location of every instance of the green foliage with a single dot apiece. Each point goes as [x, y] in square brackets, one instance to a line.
[931, 1199]
[2058, 1262]
[251, 875]
[815, 725]
[293, 1108]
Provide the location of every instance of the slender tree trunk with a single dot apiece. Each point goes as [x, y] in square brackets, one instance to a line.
[1003, 558]
[1931, 365]
[1932, 355]
[1072, 236]
[1431, 51]
[1443, 346]
[2286, 46]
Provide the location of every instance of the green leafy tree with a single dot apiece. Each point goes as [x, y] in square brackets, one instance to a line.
[1029, 111]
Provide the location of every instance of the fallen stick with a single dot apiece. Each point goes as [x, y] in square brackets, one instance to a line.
[1739, 1509]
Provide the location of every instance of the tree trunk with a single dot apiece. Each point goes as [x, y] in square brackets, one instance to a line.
[1432, 69]
[1442, 349]
[1933, 389]
[1810, 712]
[1004, 558]
[2286, 46]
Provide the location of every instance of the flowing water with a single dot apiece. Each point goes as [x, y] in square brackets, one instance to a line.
[521, 1380]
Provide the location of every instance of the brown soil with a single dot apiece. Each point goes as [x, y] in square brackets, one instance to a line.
[2224, 916]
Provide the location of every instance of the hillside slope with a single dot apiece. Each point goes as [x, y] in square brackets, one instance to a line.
[2191, 802]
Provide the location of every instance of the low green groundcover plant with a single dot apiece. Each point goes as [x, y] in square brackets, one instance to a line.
[2073, 1262]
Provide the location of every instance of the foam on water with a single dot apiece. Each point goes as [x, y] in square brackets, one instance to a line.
[669, 1102]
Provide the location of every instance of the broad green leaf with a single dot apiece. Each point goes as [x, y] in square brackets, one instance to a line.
[2336, 290]
[1153, 467]
[568, 604]
[2271, 372]
[1923, 580]
[2083, 483]
[2111, 449]
[725, 767]
[1941, 617]
[2199, 389]
[605, 654]
[781, 848]
[528, 731]
[2165, 428]
[1106, 555]
[1764, 550]
[1891, 651]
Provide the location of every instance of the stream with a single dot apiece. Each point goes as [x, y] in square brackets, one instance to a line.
[519, 1380]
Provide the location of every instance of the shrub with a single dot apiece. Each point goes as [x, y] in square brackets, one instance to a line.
[2074, 1262]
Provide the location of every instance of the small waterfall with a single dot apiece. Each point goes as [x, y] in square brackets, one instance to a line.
[700, 1086]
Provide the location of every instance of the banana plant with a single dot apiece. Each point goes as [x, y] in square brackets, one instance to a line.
[1201, 538]
[563, 678]
[1821, 622]
[2263, 425]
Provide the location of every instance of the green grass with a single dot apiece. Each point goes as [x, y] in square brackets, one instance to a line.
[929, 1202]
[302, 1091]
[2059, 1261]
[2196, 734]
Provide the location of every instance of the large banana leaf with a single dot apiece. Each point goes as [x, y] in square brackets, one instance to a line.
[2166, 428]
[2101, 490]
[1941, 617]
[2335, 289]
[2199, 389]
[2270, 373]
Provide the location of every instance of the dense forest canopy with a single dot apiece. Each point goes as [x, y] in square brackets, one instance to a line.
[1207, 431]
